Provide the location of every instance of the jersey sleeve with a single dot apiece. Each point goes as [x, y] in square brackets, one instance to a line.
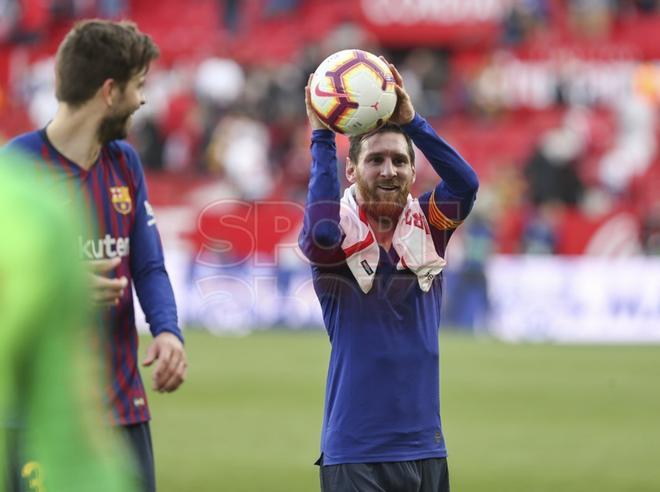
[150, 277]
[26, 145]
[321, 237]
[450, 202]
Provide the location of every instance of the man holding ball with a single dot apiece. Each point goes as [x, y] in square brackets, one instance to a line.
[376, 255]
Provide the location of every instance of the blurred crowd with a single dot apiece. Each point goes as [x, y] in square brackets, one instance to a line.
[29, 21]
[562, 141]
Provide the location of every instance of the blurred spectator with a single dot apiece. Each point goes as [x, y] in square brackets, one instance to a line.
[38, 90]
[468, 305]
[591, 18]
[280, 7]
[149, 143]
[231, 14]
[219, 81]
[635, 144]
[539, 235]
[426, 73]
[33, 18]
[74, 9]
[641, 6]
[239, 150]
[647, 6]
[552, 170]
[345, 36]
[296, 165]
[522, 19]
[651, 231]
[183, 133]
[111, 9]
[9, 14]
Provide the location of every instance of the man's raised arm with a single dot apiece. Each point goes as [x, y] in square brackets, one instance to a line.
[320, 238]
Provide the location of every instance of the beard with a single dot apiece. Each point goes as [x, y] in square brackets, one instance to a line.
[381, 205]
[114, 127]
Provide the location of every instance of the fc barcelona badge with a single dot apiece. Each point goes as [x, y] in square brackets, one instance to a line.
[121, 199]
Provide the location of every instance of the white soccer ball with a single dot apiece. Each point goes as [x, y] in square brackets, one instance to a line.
[352, 92]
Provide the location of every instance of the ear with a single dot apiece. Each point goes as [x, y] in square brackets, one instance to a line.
[108, 91]
[351, 171]
[414, 173]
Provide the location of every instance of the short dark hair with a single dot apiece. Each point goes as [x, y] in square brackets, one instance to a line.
[96, 50]
[356, 141]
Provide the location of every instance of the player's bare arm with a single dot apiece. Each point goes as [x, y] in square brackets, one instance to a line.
[172, 365]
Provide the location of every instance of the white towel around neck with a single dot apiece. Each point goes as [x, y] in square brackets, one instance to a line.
[412, 241]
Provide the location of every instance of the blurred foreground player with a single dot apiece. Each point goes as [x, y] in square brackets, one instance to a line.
[46, 371]
[100, 72]
[376, 256]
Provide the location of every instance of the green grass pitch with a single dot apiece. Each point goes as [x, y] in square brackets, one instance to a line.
[526, 418]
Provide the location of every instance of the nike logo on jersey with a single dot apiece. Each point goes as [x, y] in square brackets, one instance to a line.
[108, 247]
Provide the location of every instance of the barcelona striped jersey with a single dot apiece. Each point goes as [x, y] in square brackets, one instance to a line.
[114, 193]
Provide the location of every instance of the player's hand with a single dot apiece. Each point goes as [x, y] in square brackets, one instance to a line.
[172, 364]
[404, 112]
[106, 291]
[313, 118]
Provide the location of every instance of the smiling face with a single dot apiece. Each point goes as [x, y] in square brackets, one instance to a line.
[116, 123]
[384, 173]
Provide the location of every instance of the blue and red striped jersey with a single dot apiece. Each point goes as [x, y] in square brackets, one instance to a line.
[114, 192]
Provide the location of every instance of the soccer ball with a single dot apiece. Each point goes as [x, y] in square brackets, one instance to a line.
[352, 92]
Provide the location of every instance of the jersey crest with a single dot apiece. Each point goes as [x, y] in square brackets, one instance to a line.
[121, 199]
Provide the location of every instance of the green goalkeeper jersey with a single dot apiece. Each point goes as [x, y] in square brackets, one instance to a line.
[47, 373]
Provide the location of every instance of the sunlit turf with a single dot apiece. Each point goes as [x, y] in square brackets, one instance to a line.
[516, 417]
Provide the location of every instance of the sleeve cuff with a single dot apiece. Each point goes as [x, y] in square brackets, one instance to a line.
[174, 331]
[417, 122]
[323, 134]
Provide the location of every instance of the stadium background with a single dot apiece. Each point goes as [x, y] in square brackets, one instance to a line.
[554, 103]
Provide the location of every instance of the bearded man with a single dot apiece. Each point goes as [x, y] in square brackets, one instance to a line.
[376, 255]
[101, 68]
